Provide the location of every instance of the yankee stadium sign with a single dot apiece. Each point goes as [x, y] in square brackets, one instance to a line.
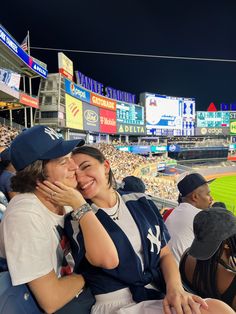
[99, 88]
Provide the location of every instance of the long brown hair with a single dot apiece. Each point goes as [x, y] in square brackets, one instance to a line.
[98, 155]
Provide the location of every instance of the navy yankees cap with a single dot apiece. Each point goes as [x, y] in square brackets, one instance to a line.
[191, 182]
[39, 143]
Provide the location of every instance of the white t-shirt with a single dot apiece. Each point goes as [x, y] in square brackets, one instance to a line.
[180, 226]
[31, 239]
[127, 224]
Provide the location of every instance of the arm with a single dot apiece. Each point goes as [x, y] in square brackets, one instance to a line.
[100, 249]
[52, 293]
[176, 296]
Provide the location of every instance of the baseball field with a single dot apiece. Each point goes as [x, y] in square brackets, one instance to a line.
[223, 189]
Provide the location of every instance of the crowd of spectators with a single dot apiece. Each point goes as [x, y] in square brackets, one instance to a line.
[124, 164]
[7, 134]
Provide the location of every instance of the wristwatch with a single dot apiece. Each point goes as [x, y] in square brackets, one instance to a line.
[78, 213]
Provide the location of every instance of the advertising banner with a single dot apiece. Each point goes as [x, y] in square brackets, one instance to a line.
[232, 115]
[163, 112]
[29, 100]
[124, 148]
[130, 129]
[140, 149]
[158, 149]
[129, 114]
[65, 66]
[91, 117]
[11, 44]
[174, 148]
[74, 113]
[212, 131]
[8, 90]
[10, 78]
[107, 121]
[102, 102]
[212, 119]
[233, 127]
[76, 91]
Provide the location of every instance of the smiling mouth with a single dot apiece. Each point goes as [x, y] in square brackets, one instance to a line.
[85, 186]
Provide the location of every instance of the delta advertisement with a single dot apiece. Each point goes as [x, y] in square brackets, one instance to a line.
[130, 129]
[91, 118]
[107, 121]
[75, 91]
[163, 112]
[130, 119]
[74, 113]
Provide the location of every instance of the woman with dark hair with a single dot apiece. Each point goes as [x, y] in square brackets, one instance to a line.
[146, 279]
[208, 267]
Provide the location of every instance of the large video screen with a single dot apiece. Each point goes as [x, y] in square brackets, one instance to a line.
[129, 114]
[163, 112]
[215, 119]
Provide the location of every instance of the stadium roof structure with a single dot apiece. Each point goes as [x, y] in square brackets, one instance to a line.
[14, 58]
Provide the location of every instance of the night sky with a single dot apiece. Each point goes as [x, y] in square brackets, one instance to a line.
[201, 29]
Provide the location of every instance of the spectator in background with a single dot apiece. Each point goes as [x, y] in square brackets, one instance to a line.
[195, 196]
[219, 204]
[206, 266]
[7, 171]
[132, 184]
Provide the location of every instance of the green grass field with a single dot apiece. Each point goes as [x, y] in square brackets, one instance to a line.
[224, 190]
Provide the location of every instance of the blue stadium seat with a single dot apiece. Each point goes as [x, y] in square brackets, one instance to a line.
[16, 299]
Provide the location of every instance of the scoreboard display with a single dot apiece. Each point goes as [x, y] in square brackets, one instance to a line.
[129, 114]
[216, 119]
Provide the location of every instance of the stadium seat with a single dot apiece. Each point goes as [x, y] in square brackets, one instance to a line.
[16, 299]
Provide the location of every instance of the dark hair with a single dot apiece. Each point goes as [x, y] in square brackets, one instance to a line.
[180, 199]
[204, 280]
[98, 155]
[219, 204]
[25, 180]
[3, 165]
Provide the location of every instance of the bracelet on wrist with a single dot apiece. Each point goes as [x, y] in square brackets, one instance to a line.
[78, 213]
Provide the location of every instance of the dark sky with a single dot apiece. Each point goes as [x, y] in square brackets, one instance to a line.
[202, 29]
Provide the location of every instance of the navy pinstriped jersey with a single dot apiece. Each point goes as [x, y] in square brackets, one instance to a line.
[129, 272]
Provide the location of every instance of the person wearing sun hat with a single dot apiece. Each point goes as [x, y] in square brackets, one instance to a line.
[32, 236]
[195, 196]
[208, 267]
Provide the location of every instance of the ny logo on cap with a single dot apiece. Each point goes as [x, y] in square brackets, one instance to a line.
[52, 133]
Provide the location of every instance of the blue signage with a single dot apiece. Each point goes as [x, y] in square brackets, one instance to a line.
[173, 148]
[99, 88]
[9, 42]
[74, 90]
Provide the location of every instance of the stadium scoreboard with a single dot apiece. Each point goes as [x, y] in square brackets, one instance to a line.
[215, 119]
[129, 114]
